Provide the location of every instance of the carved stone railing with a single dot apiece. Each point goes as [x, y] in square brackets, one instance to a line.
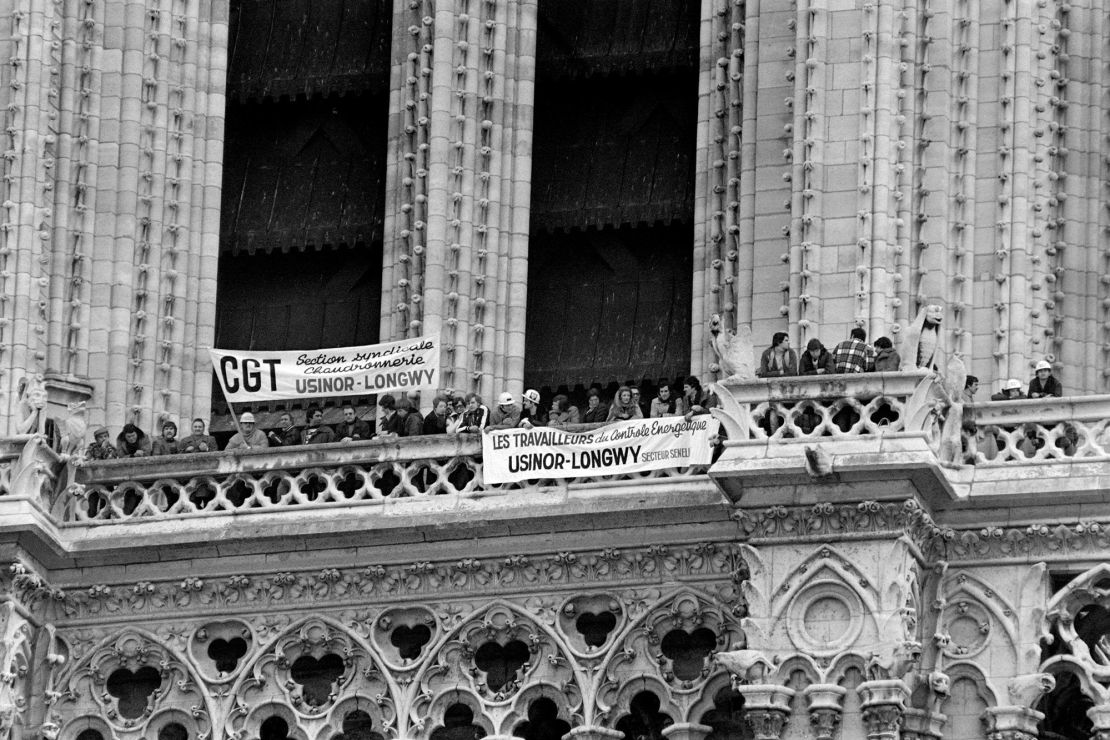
[310, 476]
[1073, 428]
[29, 469]
[824, 406]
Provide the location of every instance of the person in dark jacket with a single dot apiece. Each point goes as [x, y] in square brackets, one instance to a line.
[351, 428]
[596, 411]
[388, 423]
[437, 421]
[132, 442]
[1044, 383]
[288, 435]
[198, 441]
[167, 444]
[476, 416]
[317, 433]
[816, 360]
[698, 400]
[531, 413]
[887, 359]
[411, 422]
[778, 359]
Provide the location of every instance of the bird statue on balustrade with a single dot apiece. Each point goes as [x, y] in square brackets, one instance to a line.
[73, 431]
[735, 353]
[746, 666]
[922, 342]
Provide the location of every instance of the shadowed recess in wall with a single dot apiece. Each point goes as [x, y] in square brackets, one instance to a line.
[644, 721]
[133, 689]
[458, 724]
[317, 676]
[543, 722]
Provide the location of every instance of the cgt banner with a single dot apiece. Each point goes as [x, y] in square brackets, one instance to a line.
[338, 371]
[512, 455]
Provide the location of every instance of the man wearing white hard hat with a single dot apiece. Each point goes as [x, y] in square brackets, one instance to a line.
[1044, 383]
[532, 413]
[248, 438]
[1011, 391]
[506, 414]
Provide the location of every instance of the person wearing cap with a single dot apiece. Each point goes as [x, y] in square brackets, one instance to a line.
[317, 432]
[506, 414]
[1011, 391]
[476, 416]
[816, 360]
[250, 438]
[167, 444]
[351, 428]
[198, 441]
[101, 448]
[1044, 382]
[531, 413]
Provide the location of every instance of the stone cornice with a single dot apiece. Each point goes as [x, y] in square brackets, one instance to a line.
[387, 582]
[824, 521]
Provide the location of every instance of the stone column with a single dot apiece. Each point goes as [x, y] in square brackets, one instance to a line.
[766, 709]
[110, 216]
[459, 179]
[1100, 719]
[1011, 723]
[825, 702]
[883, 704]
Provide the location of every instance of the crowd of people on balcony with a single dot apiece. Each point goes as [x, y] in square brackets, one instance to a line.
[401, 417]
[468, 414]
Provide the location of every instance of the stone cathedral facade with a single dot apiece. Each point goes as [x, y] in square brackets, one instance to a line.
[568, 193]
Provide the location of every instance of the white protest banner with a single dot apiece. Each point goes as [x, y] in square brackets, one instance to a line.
[336, 371]
[512, 455]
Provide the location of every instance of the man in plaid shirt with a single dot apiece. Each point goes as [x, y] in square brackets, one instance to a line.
[854, 355]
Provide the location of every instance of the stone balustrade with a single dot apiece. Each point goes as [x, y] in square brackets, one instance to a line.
[766, 424]
[309, 476]
[1039, 430]
[819, 406]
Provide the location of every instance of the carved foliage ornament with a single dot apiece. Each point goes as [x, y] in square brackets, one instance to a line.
[513, 573]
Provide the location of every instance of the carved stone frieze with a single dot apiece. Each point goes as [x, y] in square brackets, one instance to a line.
[825, 519]
[402, 667]
[375, 583]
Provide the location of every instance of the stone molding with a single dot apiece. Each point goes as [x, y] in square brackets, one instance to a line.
[513, 573]
[825, 519]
